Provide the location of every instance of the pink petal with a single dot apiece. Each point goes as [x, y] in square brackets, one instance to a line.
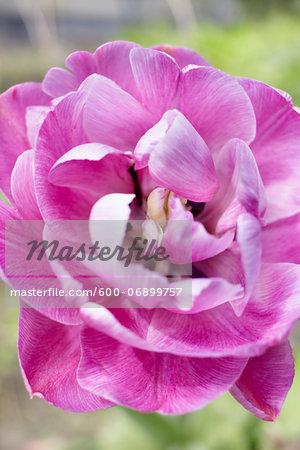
[22, 187]
[187, 240]
[281, 240]
[249, 240]
[276, 148]
[217, 106]
[35, 116]
[13, 134]
[267, 319]
[59, 82]
[265, 382]
[179, 147]
[182, 55]
[6, 213]
[49, 355]
[129, 376]
[58, 135]
[207, 293]
[94, 168]
[112, 116]
[241, 263]
[82, 64]
[240, 184]
[112, 61]
[156, 75]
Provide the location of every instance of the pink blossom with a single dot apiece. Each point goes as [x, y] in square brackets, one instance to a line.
[217, 151]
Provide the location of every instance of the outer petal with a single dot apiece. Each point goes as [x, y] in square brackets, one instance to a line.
[22, 187]
[49, 355]
[58, 135]
[268, 318]
[150, 381]
[182, 55]
[176, 145]
[281, 240]
[13, 134]
[112, 116]
[156, 75]
[241, 188]
[265, 382]
[112, 61]
[94, 168]
[59, 82]
[276, 148]
[217, 106]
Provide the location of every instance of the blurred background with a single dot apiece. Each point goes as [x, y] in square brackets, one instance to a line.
[254, 38]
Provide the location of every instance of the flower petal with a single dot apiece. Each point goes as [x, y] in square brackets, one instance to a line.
[148, 381]
[265, 382]
[281, 240]
[276, 148]
[59, 82]
[182, 55]
[13, 133]
[112, 61]
[241, 188]
[156, 75]
[112, 116]
[188, 241]
[175, 144]
[49, 355]
[35, 116]
[217, 106]
[56, 137]
[95, 168]
[267, 319]
[22, 187]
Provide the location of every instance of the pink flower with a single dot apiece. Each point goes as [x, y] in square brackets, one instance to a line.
[129, 130]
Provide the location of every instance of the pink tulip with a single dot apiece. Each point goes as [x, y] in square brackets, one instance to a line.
[195, 144]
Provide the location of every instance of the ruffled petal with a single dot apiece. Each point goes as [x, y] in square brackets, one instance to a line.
[148, 381]
[281, 240]
[175, 144]
[265, 382]
[182, 55]
[112, 61]
[241, 188]
[59, 82]
[276, 148]
[56, 137]
[94, 168]
[188, 241]
[156, 75]
[267, 319]
[49, 354]
[217, 106]
[13, 133]
[22, 187]
[35, 116]
[112, 116]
